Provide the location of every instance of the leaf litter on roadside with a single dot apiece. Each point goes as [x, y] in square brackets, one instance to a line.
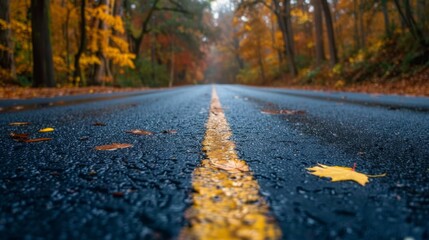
[139, 132]
[337, 173]
[113, 146]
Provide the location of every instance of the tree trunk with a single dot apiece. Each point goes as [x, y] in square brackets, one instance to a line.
[170, 83]
[385, 10]
[361, 23]
[318, 32]
[274, 44]
[289, 36]
[410, 23]
[67, 40]
[236, 45]
[281, 13]
[421, 13]
[43, 67]
[137, 41]
[78, 76]
[260, 60]
[355, 24]
[333, 57]
[102, 70]
[117, 11]
[152, 59]
[6, 55]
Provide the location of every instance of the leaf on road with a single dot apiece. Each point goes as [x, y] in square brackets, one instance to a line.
[37, 140]
[44, 130]
[99, 124]
[20, 137]
[25, 137]
[337, 173]
[231, 165]
[113, 146]
[84, 138]
[139, 132]
[118, 194]
[19, 123]
[282, 112]
[170, 131]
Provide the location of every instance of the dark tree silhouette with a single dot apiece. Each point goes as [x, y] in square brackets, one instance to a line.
[43, 67]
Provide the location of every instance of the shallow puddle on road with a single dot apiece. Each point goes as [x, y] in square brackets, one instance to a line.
[226, 199]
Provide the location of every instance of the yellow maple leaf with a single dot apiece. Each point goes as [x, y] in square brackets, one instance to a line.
[337, 173]
[43, 130]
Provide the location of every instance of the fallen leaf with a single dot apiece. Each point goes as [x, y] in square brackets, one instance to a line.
[113, 146]
[100, 124]
[37, 140]
[231, 165]
[24, 137]
[20, 137]
[170, 131]
[19, 123]
[118, 194]
[44, 130]
[139, 132]
[337, 173]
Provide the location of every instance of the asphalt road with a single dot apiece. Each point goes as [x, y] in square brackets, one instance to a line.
[65, 189]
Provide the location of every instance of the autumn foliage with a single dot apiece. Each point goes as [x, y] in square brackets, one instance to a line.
[155, 43]
[325, 43]
[106, 42]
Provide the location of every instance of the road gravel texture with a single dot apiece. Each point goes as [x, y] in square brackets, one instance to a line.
[65, 189]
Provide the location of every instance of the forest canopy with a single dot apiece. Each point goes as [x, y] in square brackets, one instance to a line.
[47, 43]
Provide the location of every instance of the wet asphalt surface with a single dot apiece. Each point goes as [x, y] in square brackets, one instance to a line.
[65, 189]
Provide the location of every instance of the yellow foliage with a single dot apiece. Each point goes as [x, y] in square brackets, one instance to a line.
[87, 60]
[120, 59]
[102, 13]
[303, 17]
[360, 57]
[340, 84]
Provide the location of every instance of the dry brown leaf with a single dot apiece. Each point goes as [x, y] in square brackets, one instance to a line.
[337, 173]
[118, 194]
[113, 146]
[99, 124]
[139, 132]
[37, 140]
[19, 123]
[20, 137]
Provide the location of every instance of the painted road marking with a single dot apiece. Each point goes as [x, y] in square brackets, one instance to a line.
[226, 200]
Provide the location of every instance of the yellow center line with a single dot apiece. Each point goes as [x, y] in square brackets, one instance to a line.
[226, 200]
